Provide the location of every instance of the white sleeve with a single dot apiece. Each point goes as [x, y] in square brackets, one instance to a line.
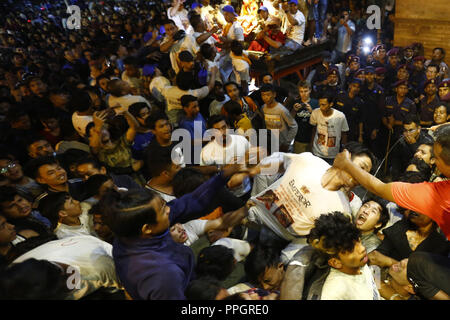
[345, 127]
[240, 65]
[204, 157]
[196, 227]
[312, 119]
[352, 26]
[239, 33]
[201, 93]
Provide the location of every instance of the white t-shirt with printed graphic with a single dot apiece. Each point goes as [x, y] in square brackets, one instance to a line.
[291, 204]
[342, 286]
[327, 140]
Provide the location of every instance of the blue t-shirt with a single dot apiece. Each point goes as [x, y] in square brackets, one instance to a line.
[141, 141]
[188, 124]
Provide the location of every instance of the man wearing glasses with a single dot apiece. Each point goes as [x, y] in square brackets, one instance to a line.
[13, 172]
[413, 136]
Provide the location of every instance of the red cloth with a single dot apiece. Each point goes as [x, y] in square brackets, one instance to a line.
[263, 46]
[429, 198]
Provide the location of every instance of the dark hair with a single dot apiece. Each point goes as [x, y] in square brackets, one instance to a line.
[443, 139]
[32, 139]
[325, 95]
[231, 83]
[80, 101]
[7, 194]
[150, 122]
[184, 80]
[157, 163]
[206, 51]
[384, 214]
[186, 181]
[50, 206]
[259, 259]
[70, 158]
[413, 177]
[32, 167]
[205, 288]
[33, 280]
[114, 87]
[168, 21]
[130, 60]
[265, 75]
[94, 183]
[194, 20]
[358, 149]
[89, 126]
[135, 108]
[422, 166]
[236, 47]
[441, 49]
[304, 84]
[215, 119]
[233, 108]
[216, 262]
[411, 118]
[125, 213]
[187, 99]
[89, 160]
[267, 87]
[338, 232]
[433, 65]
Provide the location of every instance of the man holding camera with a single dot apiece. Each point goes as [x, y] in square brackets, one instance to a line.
[301, 111]
[345, 31]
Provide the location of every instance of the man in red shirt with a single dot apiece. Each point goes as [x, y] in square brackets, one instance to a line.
[270, 39]
[430, 199]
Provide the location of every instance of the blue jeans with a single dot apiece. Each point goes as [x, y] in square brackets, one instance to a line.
[320, 13]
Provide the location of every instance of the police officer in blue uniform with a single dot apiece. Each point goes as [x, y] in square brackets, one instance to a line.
[351, 105]
[373, 105]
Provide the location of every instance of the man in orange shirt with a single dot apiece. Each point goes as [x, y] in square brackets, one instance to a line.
[430, 199]
[424, 271]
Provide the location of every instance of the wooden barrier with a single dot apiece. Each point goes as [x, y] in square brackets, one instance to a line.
[422, 21]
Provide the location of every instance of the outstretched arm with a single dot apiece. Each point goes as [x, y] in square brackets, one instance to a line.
[368, 181]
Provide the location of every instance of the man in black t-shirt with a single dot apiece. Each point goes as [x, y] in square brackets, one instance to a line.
[301, 110]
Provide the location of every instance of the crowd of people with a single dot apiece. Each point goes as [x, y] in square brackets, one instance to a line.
[141, 159]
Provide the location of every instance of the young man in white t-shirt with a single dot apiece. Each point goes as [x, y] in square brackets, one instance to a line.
[293, 24]
[308, 188]
[227, 149]
[179, 15]
[330, 130]
[350, 277]
[121, 97]
[88, 255]
[68, 216]
[173, 94]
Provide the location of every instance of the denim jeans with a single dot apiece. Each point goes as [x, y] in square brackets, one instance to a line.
[320, 13]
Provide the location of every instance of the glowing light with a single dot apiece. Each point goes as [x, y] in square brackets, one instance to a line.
[368, 41]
